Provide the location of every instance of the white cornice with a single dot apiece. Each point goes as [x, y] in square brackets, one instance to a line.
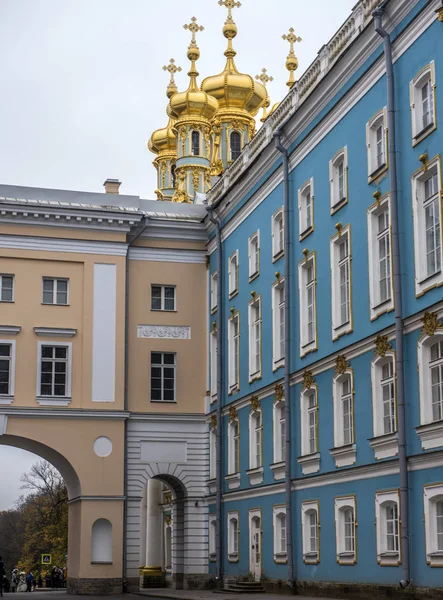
[10, 329]
[168, 417]
[67, 413]
[54, 332]
[168, 255]
[20, 242]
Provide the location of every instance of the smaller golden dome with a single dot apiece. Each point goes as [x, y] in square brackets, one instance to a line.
[163, 140]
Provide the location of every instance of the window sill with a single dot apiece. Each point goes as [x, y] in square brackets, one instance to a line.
[253, 276]
[213, 310]
[6, 399]
[163, 310]
[55, 304]
[428, 283]
[311, 558]
[255, 377]
[233, 558]
[377, 173]
[382, 308]
[346, 558]
[421, 135]
[304, 234]
[212, 486]
[212, 557]
[389, 559]
[10, 329]
[340, 330]
[431, 435]
[233, 389]
[279, 470]
[233, 481]
[255, 475]
[385, 446]
[55, 332]
[233, 294]
[7, 301]
[164, 401]
[344, 456]
[308, 348]
[101, 562]
[281, 558]
[338, 205]
[213, 398]
[277, 256]
[278, 364]
[435, 559]
[310, 463]
[53, 400]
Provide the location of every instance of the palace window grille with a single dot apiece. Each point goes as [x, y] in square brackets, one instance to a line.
[54, 370]
[6, 288]
[55, 291]
[163, 375]
[195, 143]
[163, 297]
[235, 141]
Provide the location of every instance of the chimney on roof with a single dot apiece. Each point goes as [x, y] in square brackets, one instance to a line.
[112, 186]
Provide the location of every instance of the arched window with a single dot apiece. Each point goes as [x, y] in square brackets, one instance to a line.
[235, 145]
[233, 532]
[173, 176]
[168, 547]
[345, 529]
[255, 440]
[212, 453]
[439, 518]
[101, 542]
[234, 447]
[384, 406]
[195, 143]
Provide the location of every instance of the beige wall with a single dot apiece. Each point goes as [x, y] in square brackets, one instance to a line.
[191, 293]
[62, 233]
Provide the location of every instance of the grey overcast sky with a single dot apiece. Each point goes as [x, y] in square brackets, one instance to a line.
[83, 89]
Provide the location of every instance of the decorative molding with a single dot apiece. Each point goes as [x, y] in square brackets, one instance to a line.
[341, 365]
[382, 345]
[54, 332]
[233, 415]
[6, 400]
[430, 323]
[308, 380]
[18, 242]
[255, 403]
[255, 475]
[164, 332]
[233, 481]
[310, 463]
[53, 401]
[166, 255]
[10, 329]
[279, 392]
[213, 421]
[346, 456]
[385, 446]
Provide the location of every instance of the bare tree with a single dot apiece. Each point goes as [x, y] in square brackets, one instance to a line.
[44, 479]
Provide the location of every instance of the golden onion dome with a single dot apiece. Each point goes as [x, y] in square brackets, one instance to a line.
[164, 141]
[193, 103]
[234, 90]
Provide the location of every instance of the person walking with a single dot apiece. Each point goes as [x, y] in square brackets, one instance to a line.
[29, 580]
[2, 574]
[14, 580]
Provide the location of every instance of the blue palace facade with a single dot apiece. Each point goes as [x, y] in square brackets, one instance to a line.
[325, 323]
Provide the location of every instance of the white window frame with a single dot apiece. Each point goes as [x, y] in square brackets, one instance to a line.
[163, 287]
[162, 366]
[214, 291]
[278, 245]
[306, 209]
[55, 281]
[339, 328]
[431, 495]
[55, 400]
[374, 168]
[377, 305]
[279, 441]
[278, 309]
[9, 397]
[233, 274]
[310, 556]
[385, 445]
[233, 363]
[430, 430]
[386, 557]
[280, 551]
[423, 282]
[255, 338]
[306, 421]
[345, 556]
[212, 453]
[233, 528]
[255, 438]
[214, 364]
[340, 158]
[254, 255]
[212, 535]
[419, 130]
[305, 287]
[344, 451]
[9, 275]
[233, 441]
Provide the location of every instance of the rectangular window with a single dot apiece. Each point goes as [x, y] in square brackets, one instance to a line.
[388, 398]
[55, 291]
[277, 234]
[213, 364]
[5, 369]
[310, 530]
[234, 352]
[163, 376]
[306, 209]
[338, 168]
[233, 532]
[387, 521]
[422, 92]
[278, 324]
[214, 291]
[254, 255]
[280, 528]
[308, 325]
[312, 422]
[341, 283]
[233, 274]
[54, 363]
[391, 520]
[255, 338]
[433, 511]
[347, 411]
[6, 288]
[427, 226]
[379, 248]
[163, 297]
[376, 134]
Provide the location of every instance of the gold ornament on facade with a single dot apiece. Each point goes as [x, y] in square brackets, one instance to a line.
[213, 421]
[341, 365]
[377, 196]
[233, 415]
[279, 392]
[255, 403]
[196, 180]
[339, 227]
[291, 60]
[440, 14]
[168, 519]
[167, 498]
[382, 345]
[430, 323]
[180, 194]
[424, 161]
[308, 379]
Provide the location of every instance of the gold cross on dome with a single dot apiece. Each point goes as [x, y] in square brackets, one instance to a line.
[264, 77]
[230, 4]
[194, 28]
[292, 38]
[172, 69]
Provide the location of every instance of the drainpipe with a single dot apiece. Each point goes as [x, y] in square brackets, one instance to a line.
[131, 239]
[218, 454]
[399, 324]
[287, 390]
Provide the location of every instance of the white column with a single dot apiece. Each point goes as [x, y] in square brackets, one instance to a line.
[154, 525]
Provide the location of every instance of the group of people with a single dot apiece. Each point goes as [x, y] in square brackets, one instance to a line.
[26, 582]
